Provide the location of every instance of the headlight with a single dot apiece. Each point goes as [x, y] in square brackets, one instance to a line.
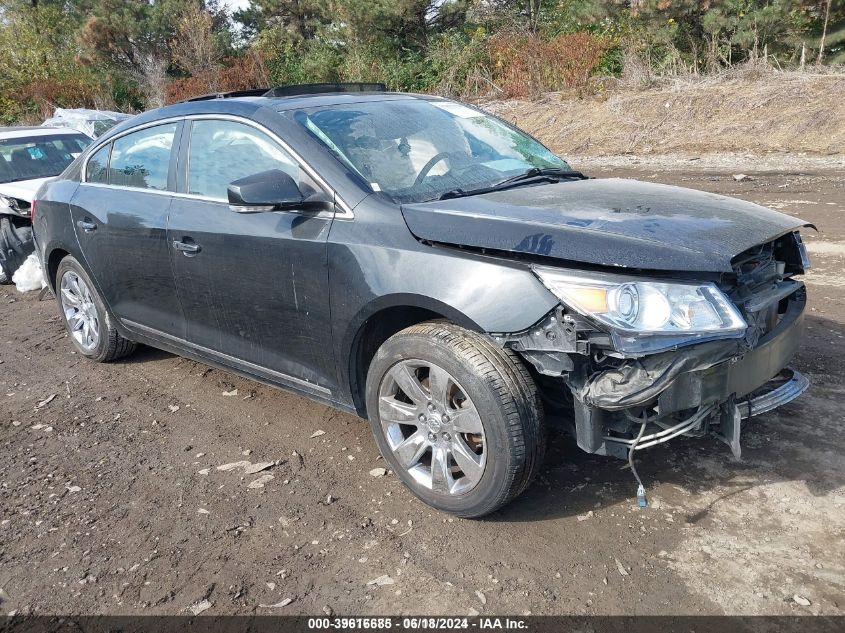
[631, 305]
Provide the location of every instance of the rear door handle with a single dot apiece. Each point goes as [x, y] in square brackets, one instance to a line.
[187, 248]
[86, 225]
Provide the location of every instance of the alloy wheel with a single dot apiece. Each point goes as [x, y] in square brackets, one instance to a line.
[432, 427]
[80, 310]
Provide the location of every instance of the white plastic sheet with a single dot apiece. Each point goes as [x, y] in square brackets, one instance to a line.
[90, 122]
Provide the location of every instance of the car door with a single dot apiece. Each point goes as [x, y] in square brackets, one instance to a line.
[120, 216]
[253, 286]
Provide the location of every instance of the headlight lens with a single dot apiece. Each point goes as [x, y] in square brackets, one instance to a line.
[636, 306]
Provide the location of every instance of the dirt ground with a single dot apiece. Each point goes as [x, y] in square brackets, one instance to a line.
[111, 501]
[756, 111]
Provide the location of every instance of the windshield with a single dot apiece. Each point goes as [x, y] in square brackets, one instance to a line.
[40, 156]
[415, 150]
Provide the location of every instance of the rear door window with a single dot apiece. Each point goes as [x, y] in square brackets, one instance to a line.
[142, 159]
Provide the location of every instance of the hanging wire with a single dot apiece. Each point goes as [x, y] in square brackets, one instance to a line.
[641, 498]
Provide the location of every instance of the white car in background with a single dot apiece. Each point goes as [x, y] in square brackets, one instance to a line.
[29, 156]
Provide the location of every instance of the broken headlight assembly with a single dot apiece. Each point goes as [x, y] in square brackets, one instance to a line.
[9, 204]
[645, 315]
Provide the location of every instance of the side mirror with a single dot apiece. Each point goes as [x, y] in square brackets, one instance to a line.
[265, 191]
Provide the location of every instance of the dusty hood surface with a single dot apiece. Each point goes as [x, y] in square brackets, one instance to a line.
[23, 189]
[611, 222]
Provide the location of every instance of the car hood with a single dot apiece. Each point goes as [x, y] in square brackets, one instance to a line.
[22, 189]
[608, 222]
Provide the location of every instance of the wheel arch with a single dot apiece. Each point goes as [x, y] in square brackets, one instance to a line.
[52, 260]
[380, 320]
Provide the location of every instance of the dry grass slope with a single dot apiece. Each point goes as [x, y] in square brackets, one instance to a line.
[777, 112]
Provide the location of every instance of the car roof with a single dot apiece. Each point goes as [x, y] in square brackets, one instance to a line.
[280, 104]
[27, 131]
[250, 106]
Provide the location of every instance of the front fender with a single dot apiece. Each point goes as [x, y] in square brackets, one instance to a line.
[480, 293]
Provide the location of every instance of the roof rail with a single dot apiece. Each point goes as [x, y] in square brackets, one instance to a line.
[292, 91]
[315, 89]
[252, 92]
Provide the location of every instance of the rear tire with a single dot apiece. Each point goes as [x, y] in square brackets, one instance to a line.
[89, 325]
[491, 406]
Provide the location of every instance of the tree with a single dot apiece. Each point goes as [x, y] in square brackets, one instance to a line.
[824, 31]
[194, 48]
[293, 22]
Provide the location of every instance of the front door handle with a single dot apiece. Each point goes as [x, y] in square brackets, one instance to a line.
[186, 248]
[86, 225]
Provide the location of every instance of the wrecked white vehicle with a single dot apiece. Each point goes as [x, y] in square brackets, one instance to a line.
[29, 157]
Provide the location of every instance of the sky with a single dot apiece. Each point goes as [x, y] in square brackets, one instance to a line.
[234, 5]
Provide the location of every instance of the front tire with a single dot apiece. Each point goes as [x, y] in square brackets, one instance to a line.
[88, 323]
[458, 419]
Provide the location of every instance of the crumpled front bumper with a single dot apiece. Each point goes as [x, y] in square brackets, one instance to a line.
[792, 384]
[709, 387]
[698, 375]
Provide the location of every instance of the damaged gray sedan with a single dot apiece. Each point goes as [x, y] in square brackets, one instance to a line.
[430, 267]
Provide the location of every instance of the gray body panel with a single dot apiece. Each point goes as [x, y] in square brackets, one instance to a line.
[606, 222]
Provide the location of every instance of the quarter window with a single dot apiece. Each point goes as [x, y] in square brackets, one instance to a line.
[224, 151]
[98, 166]
[142, 159]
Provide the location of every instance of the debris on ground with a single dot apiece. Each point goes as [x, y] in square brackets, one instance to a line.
[621, 567]
[317, 433]
[381, 581]
[199, 607]
[45, 401]
[804, 602]
[258, 467]
[203, 511]
[742, 177]
[233, 392]
[278, 605]
[481, 596]
[259, 483]
[584, 517]
[378, 472]
[234, 465]
[73, 488]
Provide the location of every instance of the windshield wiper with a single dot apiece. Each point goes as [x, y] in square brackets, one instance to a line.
[530, 175]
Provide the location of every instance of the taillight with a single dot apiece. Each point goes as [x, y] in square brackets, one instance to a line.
[32, 212]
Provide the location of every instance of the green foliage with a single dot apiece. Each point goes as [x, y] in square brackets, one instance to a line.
[127, 54]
